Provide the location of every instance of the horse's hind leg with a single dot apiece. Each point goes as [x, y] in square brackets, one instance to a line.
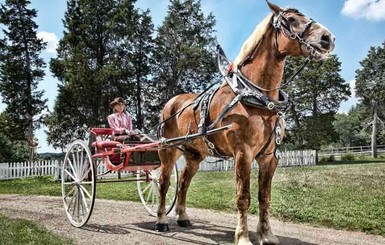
[267, 166]
[192, 166]
[168, 158]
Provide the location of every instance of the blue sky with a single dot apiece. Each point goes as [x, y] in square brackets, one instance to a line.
[357, 25]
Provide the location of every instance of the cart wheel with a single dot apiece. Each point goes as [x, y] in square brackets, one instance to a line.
[78, 183]
[149, 190]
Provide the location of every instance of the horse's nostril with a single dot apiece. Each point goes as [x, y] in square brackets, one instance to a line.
[325, 41]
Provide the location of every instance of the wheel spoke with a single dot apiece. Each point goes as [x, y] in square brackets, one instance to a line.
[75, 199]
[85, 175]
[149, 194]
[153, 194]
[84, 203]
[71, 166]
[69, 183]
[86, 182]
[66, 171]
[74, 162]
[147, 187]
[71, 191]
[86, 191]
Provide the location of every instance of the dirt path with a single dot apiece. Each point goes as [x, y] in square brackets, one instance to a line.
[114, 222]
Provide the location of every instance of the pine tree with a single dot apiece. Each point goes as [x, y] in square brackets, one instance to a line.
[370, 88]
[97, 61]
[370, 78]
[134, 29]
[184, 58]
[21, 69]
[143, 45]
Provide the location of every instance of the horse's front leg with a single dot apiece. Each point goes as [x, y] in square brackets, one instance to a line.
[242, 176]
[267, 166]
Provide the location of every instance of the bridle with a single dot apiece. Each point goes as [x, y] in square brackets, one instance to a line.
[281, 23]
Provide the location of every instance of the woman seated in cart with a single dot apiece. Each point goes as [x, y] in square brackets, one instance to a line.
[120, 121]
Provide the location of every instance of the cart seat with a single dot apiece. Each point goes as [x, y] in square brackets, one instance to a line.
[102, 131]
[106, 144]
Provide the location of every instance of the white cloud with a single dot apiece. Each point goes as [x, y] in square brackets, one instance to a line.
[369, 9]
[51, 39]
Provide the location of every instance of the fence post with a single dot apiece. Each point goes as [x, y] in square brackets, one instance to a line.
[57, 171]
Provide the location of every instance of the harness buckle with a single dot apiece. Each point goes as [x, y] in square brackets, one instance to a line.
[270, 105]
[277, 154]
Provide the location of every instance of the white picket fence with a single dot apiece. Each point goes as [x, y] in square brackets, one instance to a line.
[17, 170]
[23, 169]
[288, 159]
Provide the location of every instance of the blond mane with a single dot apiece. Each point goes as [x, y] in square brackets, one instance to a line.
[254, 38]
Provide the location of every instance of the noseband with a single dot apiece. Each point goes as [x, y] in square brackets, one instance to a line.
[281, 23]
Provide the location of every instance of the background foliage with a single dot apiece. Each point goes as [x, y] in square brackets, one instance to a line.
[111, 48]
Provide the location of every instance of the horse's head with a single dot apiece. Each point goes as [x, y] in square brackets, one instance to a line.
[297, 34]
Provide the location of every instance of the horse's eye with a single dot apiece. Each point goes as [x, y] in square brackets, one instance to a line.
[291, 19]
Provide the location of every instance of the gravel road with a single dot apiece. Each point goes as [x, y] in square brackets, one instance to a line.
[117, 222]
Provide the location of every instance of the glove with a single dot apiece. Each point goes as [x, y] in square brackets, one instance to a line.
[128, 132]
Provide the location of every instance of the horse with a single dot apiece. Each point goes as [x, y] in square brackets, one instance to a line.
[254, 131]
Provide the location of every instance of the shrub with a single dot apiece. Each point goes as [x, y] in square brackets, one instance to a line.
[348, 157]
[329, 158]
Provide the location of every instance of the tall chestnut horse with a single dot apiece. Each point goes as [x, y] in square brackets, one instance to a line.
[253, 130]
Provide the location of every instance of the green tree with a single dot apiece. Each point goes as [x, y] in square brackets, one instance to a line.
[21, 69]
[184, 58]
[370, 88]
[349, 128]
[315, 98]
[142, 45]
[96, 62]
[10, 150]
[370, 78]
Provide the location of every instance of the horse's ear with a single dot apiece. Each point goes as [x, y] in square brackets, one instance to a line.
[274, 8]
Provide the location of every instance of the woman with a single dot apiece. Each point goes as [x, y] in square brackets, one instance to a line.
[120, 120]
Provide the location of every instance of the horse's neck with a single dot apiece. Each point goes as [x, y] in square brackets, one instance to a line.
[266, 69]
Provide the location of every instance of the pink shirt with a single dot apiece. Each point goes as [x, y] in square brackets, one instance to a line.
[120, 122]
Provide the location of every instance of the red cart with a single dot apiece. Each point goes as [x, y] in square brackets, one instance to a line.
[80, 172]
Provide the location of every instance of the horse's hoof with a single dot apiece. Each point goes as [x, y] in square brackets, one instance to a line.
[162, 227]
[184, 223]
[269, 240]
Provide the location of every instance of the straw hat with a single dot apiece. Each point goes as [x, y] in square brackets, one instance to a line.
[117, 100]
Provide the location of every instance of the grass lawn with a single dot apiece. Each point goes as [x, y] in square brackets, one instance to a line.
[19, 231]
[347, 196]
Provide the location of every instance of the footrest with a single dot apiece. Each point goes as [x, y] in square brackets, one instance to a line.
[106, 144]
[102, 131]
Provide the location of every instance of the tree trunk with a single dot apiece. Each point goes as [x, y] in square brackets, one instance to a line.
[139, 116]
[374, 133]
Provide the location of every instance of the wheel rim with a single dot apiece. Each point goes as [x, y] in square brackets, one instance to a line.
[78, 183]
[149, 190]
